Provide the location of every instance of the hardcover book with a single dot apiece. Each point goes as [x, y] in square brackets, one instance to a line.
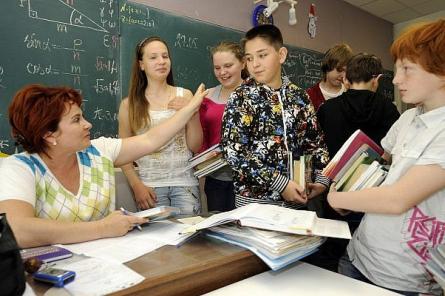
[345, 155]
[207, 161]
[46, 254]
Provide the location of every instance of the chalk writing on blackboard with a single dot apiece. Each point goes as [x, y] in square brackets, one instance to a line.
[67, 15]
[4, 144]
[102, 114]
[136, 16]
[184, 41]
[106, 65]
[108, 87]
[1, 76]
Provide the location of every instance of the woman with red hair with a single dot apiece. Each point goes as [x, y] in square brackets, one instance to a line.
[405, 216]
[61, 189]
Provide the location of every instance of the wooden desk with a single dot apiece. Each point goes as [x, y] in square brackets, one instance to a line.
[197, 267]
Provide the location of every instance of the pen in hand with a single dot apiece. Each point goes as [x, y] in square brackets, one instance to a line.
[125, 212]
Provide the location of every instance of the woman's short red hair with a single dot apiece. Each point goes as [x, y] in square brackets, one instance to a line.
[36, 110]
[423, 44]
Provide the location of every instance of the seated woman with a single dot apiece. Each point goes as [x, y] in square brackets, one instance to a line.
[61, 190]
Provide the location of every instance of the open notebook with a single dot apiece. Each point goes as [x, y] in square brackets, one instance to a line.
[272, 217]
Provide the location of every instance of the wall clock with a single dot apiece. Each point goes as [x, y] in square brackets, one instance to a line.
[258, 17]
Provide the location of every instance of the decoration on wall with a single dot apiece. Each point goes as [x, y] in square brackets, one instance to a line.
[311, 25]
[259, 18]
[270, 8]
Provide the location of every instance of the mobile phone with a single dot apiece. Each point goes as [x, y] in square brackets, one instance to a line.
[55, 276]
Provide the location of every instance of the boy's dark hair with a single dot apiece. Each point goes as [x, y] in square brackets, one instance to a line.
[335, 57]
[270, 33]
[363, 67]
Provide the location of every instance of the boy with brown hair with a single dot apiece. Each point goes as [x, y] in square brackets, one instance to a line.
[333, 67]
[266, 120]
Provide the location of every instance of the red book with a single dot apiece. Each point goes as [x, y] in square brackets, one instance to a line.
[347, 150]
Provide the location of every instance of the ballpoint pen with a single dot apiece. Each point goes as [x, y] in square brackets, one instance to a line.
[125, 212]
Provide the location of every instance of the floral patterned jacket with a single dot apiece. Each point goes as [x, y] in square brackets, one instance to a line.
[253, 139]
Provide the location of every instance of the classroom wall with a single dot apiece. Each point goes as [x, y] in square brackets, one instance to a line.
[400, 27]
[338, 21]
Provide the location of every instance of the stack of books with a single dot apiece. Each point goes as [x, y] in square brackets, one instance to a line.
[357, 165]
[207, 161]
[276, 249]
[436, 265]
[287, 235]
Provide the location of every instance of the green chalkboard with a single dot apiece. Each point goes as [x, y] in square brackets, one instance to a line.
[189, 42]
[303, 67]
[61, 42]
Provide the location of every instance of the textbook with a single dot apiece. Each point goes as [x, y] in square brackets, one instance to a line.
[276, 249]
[46, 254]
[157, 213]
[272, 217]
[358, 172]
[349, 152]
[302, 171]
[207, 161]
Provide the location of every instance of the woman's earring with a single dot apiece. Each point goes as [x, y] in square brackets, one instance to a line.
[54, 143]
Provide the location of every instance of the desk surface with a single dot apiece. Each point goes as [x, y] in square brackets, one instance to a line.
[301, 279]
[195, 268]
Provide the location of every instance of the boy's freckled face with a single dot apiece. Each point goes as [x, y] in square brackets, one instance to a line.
[264, 61]
[416, 85]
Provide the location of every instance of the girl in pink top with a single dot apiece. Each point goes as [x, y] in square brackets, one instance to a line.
[228, 67]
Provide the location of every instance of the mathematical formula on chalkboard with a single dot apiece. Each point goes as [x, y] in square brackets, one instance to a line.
[71, 43]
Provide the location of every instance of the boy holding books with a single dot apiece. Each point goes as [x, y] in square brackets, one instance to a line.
[405, 216]
[360, 107]
[268, 119]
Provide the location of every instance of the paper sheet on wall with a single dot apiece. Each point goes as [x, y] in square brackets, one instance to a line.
[134, 244]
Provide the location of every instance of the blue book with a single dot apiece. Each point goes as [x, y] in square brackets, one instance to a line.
[46, 254]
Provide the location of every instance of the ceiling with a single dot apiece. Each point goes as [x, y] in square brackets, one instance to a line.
[397, 11]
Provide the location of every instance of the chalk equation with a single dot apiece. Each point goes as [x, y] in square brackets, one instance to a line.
[107, 65]
[184, 41]
[68, 15]
[102, 114]
[133, 15]
[106, 87]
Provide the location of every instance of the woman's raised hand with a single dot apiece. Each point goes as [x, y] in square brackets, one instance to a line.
[200, 93]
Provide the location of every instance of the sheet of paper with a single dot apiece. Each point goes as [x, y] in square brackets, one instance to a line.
[98, 277]
[191, 220]
[134, 244]
[331, 228]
